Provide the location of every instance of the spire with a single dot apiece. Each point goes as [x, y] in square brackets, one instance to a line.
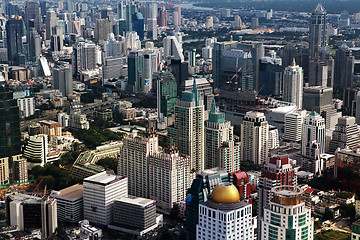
[194, 90]
[213, 106]
[319, 9]
[293, 63]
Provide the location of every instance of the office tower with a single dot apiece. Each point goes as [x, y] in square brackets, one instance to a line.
[106, 13]
[126, 10]
[344, 68]
[318, 75]
[57, 40]
[181, 73]
[206, 53]
[100, 192]
[204, 87]
[293, 125]
[232, 67]
[63, 80]
[102, 30]
[121, 9]
[209, 22]
[270, 76]
[166, 92]
[178, 10]
[138, 25]
[175, 18]
[4, 170]
[135, 213]
[327, 59]
[301, 55]
[133, 161]
[32, 13]
[319, 99]
[254, 22]
[69, 203]
[192, 58]
[220, 148]
[34, 41]
[26, 106]
[112, 47]
[48, 216]
[85, 56]
[10, 138]
[225, 211]
[15, 31]
[172, 48]
[199, 192]
[169, 178]
[237, 22]
[287, 216]
[346, 134]
[43, 8]
[50, 22]
[152, 31]
[273, 139]
[188, 130]
[254, 138]
[257, 52]
[313, 130]
[113, 69]
[278, 170]
[318, 37]
[162, 17]
[293, 84]
[136, 71]
[37, 148]
[19, 169]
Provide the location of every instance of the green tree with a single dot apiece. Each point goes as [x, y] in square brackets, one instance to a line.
[328, 215]
[108, 163]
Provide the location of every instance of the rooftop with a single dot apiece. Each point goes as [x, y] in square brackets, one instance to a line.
[103, 178]
[73, 192]
[142, 202]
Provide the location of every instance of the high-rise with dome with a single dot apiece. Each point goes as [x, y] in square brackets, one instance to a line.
[225, 216]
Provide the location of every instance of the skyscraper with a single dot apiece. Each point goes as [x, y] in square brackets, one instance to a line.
[136, 79]
[10, 137]
[188, 130]
[57, 40]
[138, 25]
[166, 90]
[102, 30]
[34, 41]
[293, 84]
[15, 31]
[50, 22]
[48, 216]
[32, 13]
[344, 68]
[63, 79]
[278, 170]
[254, 138]
[313, 130]
[346, 134]
[226, 211]
[293, 125]
[162, 17]
[287, 216]
[220, 148]
[172, 48]
[318, 37]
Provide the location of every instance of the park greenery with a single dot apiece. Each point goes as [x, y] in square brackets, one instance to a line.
[332, 235]
[108, 163]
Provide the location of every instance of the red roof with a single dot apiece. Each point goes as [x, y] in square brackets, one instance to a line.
[309, 190]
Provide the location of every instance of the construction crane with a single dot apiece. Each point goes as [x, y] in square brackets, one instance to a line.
[236, 73]
[37, 185]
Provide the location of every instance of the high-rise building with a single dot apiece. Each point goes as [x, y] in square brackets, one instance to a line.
[254, 138]
[313, 130]
[15, 31]
[224, 216]
[19, 169]
[37, 147]
[85, 56]
[133, 161]
[318, 37]
[162, 17]
[112, 47]
[102, 30]
[10, 138]
[178, 10]
[273, 138]
[293, 84]
[172, 48]
[209, 22]
[344, 68]
[34, 42]
[57, 39]
[50, 22]
[278, 170]
[199, 192]
[346, 134]
[270, 76]
[220, 147]
[188, 130]
[254, 22]
[287, 216]
[169, 179]
[4, 170]
[26, 106]
[166, 89]
[100, 192]
[48, 216]
[237, 22]
[33, 15]
[319, 72]
[138, 25]
[293, 125]
[192, 58]
[136, 79]
[63, 79]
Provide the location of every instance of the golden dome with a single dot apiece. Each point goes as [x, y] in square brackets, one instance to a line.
[225, 193]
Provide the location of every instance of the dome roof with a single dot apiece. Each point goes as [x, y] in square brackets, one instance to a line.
[225, 193]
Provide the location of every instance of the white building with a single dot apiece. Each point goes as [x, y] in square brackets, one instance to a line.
[287, 216]
[313, 130]
[293, 84]
[78, 121]
[172, 48]
[254, 138]
[37, 147]
[100, 192]
[293, 125]
[225, 216]
[69, 203]
[273, 137]
[26, 107]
